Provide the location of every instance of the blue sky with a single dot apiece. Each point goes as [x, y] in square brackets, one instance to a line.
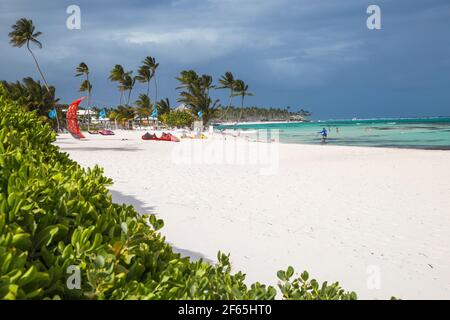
[314, 54]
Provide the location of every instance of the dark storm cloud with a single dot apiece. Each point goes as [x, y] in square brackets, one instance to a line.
[315, 54]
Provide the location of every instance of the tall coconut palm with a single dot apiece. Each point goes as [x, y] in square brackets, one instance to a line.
[227, 82]
[151, 64]
[86, 87]
[146, 73]
[241, 90]
[128, 84]
[22, 34]
[144, 76]
[83, 70]
[116, 75]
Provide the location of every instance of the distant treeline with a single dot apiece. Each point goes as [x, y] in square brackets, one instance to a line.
[258, 114]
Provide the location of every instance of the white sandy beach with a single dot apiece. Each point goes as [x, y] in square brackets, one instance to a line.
[376, 220]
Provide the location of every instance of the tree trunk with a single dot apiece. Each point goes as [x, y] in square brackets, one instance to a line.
[229, 105]
[57, 120]
[242, 108]
[156, 90]
[129, 96]
[43, 79]
[89, 113]
[121, 97]
[89, 103]
[148, 88]
[37, 65]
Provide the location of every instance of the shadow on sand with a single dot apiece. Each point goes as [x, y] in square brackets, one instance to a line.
[142, 208]
[101, 149]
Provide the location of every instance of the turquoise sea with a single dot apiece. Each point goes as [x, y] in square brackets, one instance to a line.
[418, 133]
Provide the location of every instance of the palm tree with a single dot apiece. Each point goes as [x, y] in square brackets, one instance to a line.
[196, 94]
[163, 106]
[145, 76]
[206, 82]
[304, 113]
[127, 84]
[24, 33]
[186, 78]
[241, 90]
[227, 82]
[150, 63]
[144, 107]
[86, 87]
[32, 96]
[83, 70]
[117, 74]
[123, 114]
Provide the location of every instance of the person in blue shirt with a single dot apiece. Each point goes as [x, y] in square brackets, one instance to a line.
[324, 134]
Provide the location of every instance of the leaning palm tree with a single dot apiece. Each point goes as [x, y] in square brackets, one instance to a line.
[83, 70]
[128, 83]
[116, 75]
[145, 74]
[227, 82]
[241, 90]
[86, 87]
[151, 64]
[24, 33]
[206, 82]
[187, 78]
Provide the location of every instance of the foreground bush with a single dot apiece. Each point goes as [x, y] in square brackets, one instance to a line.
[58, 220]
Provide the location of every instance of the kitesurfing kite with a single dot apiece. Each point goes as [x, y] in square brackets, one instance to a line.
[72, 120]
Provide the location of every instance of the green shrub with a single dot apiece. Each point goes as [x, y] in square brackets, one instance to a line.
[179, 119]
[54, 214]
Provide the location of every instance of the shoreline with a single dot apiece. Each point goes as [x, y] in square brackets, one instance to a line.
[328, 144]
[348, 213]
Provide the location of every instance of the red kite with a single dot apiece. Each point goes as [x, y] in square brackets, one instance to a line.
[72, 120]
